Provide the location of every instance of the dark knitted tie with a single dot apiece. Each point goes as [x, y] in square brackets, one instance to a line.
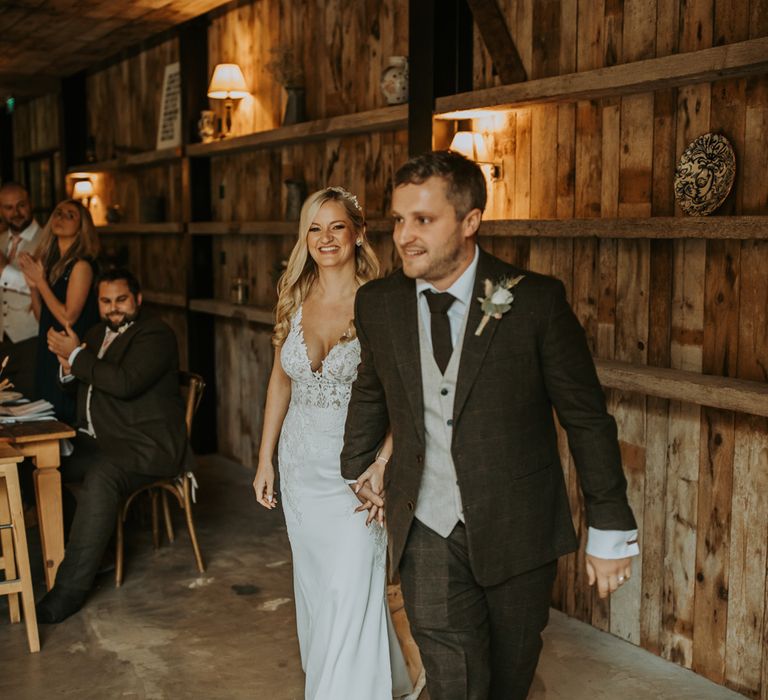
[442, 346]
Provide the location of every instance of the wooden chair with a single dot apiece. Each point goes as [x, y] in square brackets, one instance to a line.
[13, 541]
[181, 487]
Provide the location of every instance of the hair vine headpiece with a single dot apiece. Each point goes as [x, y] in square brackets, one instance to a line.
[347, 195]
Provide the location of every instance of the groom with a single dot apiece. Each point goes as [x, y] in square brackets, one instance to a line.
[477, 507]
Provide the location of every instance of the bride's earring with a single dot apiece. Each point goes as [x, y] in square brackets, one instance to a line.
[359, 242]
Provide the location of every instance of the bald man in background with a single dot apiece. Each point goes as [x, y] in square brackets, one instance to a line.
[18, 325]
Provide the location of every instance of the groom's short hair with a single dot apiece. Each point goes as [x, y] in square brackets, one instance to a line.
[464, 180]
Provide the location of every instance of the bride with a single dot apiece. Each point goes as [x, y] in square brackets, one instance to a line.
[347, 641]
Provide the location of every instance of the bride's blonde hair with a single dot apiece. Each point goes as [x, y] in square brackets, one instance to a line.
[301, 272]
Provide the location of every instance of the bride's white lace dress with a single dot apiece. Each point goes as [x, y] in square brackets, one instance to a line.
[348, 645]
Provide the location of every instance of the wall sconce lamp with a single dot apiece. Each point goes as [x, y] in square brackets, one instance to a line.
[472, 145]
[227, 83]
[83, 190]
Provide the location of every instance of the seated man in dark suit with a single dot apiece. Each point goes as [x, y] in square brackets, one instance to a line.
[130, 417]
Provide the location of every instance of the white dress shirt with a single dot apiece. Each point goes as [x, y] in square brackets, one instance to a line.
[12, 277]
[604, 544]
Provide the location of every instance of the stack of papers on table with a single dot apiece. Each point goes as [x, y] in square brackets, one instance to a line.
[29, 411]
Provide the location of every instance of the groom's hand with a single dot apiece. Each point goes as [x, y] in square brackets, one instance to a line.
[369, 490]
[609, 574]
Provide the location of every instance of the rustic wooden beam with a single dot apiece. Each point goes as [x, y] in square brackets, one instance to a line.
[497, 39]
[661, 227]
[134, 160]
[27, 86]
[384, 118]
[269, 228]
[173, 299]
[225, 309]
[719, 392]
[159, 228]
[421, 71]
[730, 61]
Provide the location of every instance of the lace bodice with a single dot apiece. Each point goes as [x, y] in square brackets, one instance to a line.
[331, 385]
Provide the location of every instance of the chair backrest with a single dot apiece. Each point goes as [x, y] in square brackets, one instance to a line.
[191, 386]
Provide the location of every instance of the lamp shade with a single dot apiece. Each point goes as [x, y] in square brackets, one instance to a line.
[469, 144]
[227, 83]
[82, 189]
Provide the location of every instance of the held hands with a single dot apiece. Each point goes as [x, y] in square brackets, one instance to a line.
[608, 573]
[264, 486]
[33, 270]
[369, 490]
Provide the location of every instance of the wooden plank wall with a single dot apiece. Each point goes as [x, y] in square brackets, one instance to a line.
[343, 56]
[123, 104]
[36, 125]
[698, 477]
[36, 130]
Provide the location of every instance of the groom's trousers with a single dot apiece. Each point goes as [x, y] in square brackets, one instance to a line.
[476, 642]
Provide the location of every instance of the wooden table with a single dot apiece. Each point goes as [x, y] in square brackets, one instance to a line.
[39, 440]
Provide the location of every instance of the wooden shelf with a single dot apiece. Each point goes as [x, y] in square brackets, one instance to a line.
[175, 299]
[718, 227]
[719, 392]
[226, 309]
[730, 61]
[134, 160]
[164, 227]
[243, 228]
[268, 228]
[344, 125]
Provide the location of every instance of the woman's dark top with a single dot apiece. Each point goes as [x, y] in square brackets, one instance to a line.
[47, 370]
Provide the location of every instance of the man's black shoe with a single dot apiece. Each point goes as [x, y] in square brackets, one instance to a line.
[58, 604]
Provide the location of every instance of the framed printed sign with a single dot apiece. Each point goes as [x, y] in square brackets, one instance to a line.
[169, 128]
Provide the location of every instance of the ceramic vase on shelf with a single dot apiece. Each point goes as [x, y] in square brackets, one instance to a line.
[239, 290]
[394, 81]
[296, 193]
[206, 126]
[295, 106]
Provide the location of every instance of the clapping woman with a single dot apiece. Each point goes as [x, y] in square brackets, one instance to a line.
[60, 275]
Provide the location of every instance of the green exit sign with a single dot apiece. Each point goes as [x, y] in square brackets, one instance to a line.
[10, 104]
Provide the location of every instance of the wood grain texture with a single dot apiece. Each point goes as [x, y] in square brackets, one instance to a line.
[735, 60]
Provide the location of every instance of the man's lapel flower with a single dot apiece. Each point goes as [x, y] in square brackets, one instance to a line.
[497, 300]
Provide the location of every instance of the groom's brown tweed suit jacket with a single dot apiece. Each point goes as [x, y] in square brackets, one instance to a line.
[534, 358]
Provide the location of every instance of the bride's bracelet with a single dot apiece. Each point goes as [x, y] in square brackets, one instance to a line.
[382, 459]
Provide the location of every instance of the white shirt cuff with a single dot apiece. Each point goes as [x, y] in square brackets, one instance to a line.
[612, 544]
[64, 378]
[73, 354]
[349, 482]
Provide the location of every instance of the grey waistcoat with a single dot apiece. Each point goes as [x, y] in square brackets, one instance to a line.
[439, 502]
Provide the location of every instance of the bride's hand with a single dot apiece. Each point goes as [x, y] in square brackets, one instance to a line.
[263, 485]
[369, 490]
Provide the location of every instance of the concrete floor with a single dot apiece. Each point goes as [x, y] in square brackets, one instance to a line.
[169, 633]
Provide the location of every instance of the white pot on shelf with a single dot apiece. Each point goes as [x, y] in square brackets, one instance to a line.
[394, 80]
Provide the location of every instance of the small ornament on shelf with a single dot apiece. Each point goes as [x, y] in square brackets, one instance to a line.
[206, 126]
[287, 69]
[705, 174]
[114, 214]
[294, 198]
[394, 81]
[239, 290]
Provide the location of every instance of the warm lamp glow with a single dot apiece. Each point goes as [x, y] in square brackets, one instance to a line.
[227, 83]
[471, 114]
[472, 145]
[83, 189]
[469, 144]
